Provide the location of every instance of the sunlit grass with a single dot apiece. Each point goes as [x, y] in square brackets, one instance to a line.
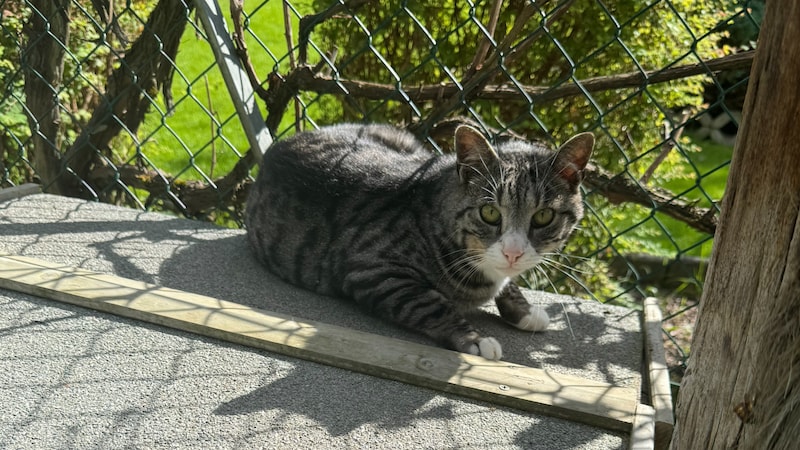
[201, 136]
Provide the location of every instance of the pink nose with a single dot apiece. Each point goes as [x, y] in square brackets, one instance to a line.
[512, 254]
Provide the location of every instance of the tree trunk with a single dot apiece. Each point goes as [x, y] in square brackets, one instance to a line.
[146, 67]
[43, 59]
[742, 388]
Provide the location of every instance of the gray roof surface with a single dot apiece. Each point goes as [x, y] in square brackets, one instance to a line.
[76, 378]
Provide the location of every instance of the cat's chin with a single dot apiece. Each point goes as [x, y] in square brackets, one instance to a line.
[500, 275]
[504, 272]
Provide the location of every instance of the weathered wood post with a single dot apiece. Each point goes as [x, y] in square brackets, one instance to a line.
[742, 389]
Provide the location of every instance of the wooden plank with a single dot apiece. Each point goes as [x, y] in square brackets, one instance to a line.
[239, 87]
[573, 398]
[643, 433]
[658, 374]
[19, 191]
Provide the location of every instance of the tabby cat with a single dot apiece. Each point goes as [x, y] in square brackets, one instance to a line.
[365, 212]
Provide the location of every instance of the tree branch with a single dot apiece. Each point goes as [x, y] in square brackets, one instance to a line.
[671, 138]
[621, 189]
[304, 79]
[189, 197]
[475, 81]
[130, 90]
[308, 22]
[241, 48]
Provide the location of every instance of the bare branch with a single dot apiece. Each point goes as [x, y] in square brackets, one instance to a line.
[307, 24]
[483, 48]
[622, 189]
[287, 26]
[305, 79]
[671, 136]
[476, 81]
[241, 48]
[189, 197]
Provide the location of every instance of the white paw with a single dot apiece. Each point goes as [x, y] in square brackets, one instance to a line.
[536, 320]
[487, 347]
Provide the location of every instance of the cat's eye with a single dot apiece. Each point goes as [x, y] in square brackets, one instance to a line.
[490, 214]
[543, 217]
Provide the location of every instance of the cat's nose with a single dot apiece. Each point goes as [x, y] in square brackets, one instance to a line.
[512, 254]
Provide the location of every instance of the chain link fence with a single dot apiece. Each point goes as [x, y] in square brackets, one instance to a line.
[123, 102]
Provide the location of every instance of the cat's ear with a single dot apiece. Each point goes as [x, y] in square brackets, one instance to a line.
[474, 154]
[573, 156]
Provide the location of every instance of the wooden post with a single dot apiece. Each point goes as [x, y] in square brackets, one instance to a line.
[742, 388]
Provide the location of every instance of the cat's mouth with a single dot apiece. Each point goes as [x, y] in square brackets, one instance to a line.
[512, 269]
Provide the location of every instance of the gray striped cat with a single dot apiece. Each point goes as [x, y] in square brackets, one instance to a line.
[365, 212]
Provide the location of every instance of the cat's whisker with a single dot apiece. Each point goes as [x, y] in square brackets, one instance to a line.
[566, 319]
[541, 270]
[454, 270]
[563, 307]
[571, 256]
[562, 267]
[572, 277]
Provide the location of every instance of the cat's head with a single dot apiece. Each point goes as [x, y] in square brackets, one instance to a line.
[522, 201]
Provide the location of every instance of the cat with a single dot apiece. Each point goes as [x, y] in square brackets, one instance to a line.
[365, 212]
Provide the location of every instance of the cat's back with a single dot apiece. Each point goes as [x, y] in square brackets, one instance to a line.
[346, 157]
[320, 194]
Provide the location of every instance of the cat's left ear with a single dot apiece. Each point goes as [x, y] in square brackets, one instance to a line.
[573, 156]
[474, 153]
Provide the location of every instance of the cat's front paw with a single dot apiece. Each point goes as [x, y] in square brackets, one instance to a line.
[536, 319]
[488, 347]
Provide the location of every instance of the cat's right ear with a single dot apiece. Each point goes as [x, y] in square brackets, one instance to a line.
[573, 156]
[474, 154]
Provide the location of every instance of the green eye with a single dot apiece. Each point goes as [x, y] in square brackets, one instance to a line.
[543, 217]
[490, 214]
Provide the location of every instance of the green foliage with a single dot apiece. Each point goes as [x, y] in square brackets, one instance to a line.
[429, 43]
[92, 50]
[14, 131]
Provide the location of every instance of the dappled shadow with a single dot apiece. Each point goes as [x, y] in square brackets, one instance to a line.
[281, 392]
[584, 336]
[340, 401]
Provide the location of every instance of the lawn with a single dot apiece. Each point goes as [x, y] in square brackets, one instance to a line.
[201, 136]
[637, 229]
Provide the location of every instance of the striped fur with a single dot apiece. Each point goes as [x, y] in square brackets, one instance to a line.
[364, 212]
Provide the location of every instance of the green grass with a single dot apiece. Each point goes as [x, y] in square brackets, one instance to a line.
[202, 134]
[711, 173]
[664, 235]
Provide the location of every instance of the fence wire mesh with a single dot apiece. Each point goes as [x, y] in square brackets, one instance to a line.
[123, 102]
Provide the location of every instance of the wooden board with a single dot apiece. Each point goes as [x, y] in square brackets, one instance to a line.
[643, 433]
[573, 398]
[19, 191]
[658, 374]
